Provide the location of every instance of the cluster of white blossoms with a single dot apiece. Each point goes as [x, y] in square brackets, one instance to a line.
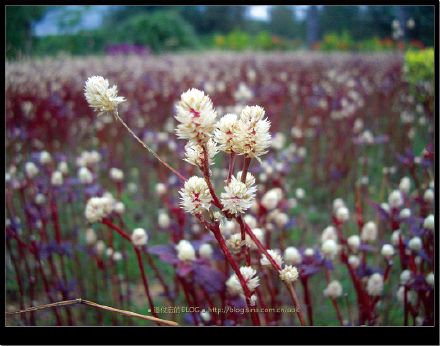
[238, 196]
[253, 137]
[196, 115]
[275, 255]
[100, 96]
[333, 289]
[249, 274]
[225, 133]
[98, 208]
[246, 135]
[195, 195]
[289, 273]
[194, 153]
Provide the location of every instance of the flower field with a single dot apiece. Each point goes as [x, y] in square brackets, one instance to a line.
[220, 189]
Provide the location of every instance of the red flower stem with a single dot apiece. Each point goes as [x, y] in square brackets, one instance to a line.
[45, 282]
[145, 281]
[338, 311]
[139, 259]
[188, 299]
[405, 304]
[159, 277]
[121, 232]
[218, 236]
[180, 176]
[18, 278]
[275, 265]
[205, 171]
[246, 164]
[232, 157]
[308, 300]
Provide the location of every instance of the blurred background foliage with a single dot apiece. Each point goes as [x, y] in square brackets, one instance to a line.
[170, 28]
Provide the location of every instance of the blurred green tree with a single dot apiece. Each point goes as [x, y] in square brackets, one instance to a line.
[283, 22]
[159, 30]
[19, 20]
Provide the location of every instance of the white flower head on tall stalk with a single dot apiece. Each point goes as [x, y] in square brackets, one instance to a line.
[195, 195]
[100, 97]
[375, 285]
[196, 115]
[97, 208]
[226, 133]
[289, 273]
[275, 255]
[237, 197]
[194, 153]
[249, 274]
[253, 137]
[333, 289]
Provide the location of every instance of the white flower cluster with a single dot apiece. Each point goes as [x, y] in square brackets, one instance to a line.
[100, 96]
[98, 208]
[249, 274]
[333, 289]
[238, 196]
[195, 196]
[289, 273]
[275, 255]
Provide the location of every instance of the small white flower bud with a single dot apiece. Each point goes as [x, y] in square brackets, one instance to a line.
[163, 219]
[329, 233]
[369, 232]
[292, 255]
[387, 250]
[354, 261]
[395, 237]
[116, 174]
[85, 176]
[405, 185]
[119, 208]
[139, 237]
[333, 289]
[429, 222]
[45, 158]
[56, 178]
[428, 196]
[430, 279]
[405, 277]
[405, 213]
[375, 285]
[309, 252]
[342, 214]
[185, 251]
[354, 241]
[90, 236]
[329, 248]
[161, 189]
[415, 244]
[395, 199]
[31, 170]
[206, 251]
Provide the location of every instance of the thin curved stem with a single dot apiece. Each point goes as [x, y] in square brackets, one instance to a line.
[180, 176]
